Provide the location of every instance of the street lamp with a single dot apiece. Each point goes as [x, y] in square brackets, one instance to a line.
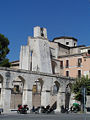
[83, 91]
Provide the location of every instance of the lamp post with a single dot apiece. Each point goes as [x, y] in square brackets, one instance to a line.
[84, 98]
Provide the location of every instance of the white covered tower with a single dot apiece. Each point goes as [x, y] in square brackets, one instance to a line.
[36, 55]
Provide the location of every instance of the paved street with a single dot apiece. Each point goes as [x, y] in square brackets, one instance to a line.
[45, 117]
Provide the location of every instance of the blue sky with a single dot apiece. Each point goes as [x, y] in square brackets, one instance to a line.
[60, 17]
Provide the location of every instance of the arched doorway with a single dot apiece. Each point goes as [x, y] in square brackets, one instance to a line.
[17, 92]
[67, 95]
[36, 92]
[54, 93]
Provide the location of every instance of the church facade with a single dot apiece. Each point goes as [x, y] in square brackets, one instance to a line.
[43, 75]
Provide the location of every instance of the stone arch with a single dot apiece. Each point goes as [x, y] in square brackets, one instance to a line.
[41, 83]
[19, 80]
[38, 85]
[54, 94]
[22, 79]
[56, 87]
[69, 87]
[36, 92]
[17, 92]
[69, 84]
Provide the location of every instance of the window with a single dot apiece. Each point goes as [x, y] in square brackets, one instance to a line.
[34, 90]
[42, 32]
[67, 73]
[79, 62]
[74, 44]
[67, 43]
[67, 63]
[79, 73]
[55, 88]
[88, 51]
[16, 89]
[61, 64]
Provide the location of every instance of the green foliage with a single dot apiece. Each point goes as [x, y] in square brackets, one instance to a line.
[77, 87]
[4, 50]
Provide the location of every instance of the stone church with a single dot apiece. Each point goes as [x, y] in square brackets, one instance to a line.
[37, 78]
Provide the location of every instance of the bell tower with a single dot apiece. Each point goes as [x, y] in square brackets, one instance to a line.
[40, 32]
[36, 55]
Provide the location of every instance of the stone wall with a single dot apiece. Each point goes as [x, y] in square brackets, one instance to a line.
[29, 79]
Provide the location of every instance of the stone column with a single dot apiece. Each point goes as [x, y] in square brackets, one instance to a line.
[5, 99]
[27, 97]
[45, 98]
[60, 99]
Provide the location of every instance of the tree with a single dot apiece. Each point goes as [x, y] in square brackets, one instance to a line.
[78, 87]
[4, 50]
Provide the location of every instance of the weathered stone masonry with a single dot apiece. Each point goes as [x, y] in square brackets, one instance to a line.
[37, 78]
[7, 76]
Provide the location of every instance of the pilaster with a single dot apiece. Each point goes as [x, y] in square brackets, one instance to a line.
[45, 98]
[27, 97]
[60, 99]
[5, 99]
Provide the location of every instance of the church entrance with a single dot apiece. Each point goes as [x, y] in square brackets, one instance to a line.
[16, 92]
